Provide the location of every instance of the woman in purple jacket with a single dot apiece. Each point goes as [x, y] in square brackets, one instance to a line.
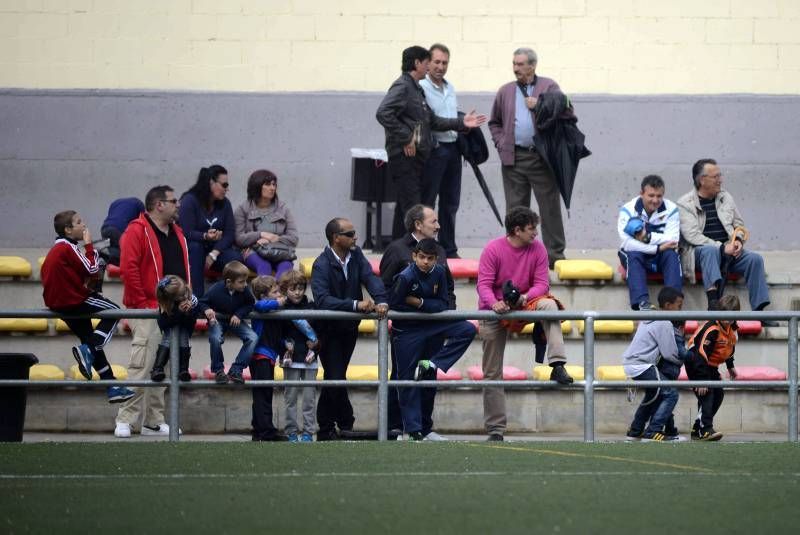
[206, 218]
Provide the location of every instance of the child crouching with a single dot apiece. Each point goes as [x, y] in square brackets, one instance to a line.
[177, 306]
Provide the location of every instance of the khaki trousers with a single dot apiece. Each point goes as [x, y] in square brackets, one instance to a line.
[531, 172]
[494, 337]
[147, 401]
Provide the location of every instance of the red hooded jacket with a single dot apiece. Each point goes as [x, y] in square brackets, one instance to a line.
[141, 264]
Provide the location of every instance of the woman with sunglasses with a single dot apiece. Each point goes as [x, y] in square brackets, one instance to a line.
[264, 222]
[206, 218]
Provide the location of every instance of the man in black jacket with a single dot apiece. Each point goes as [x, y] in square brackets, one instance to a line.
[421, 222]
[336, 280]
[408, 122]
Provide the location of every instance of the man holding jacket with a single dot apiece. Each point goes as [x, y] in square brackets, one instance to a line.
[408, 121]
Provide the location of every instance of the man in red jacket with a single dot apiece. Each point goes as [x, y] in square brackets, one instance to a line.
[152, 247]
[69, 276]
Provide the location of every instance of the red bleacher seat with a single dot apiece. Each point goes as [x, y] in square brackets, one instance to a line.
[659, 277]
[451, 375]
[463, 268]
[510, 373]
[201, 325]
[212, 274]
[112, 271]
[746, 327]
[210, 376]
[376, 266]
[748, 373]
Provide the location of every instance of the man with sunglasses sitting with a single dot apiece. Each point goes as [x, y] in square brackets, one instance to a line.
[336, 280]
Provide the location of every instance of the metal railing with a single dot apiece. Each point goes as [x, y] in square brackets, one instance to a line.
[588, 384]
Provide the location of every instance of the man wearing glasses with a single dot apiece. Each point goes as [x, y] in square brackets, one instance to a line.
[336, 280]
[713, 237]
[151, 247]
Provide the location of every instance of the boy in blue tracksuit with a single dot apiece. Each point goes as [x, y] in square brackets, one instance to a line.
[422, 287]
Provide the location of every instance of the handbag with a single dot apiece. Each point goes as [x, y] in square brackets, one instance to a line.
[274, 252]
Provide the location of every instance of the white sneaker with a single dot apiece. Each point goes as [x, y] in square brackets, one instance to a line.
[433, 436]
[122, 430]
[161, 431]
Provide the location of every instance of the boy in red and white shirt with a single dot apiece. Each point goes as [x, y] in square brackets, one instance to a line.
[69, 276]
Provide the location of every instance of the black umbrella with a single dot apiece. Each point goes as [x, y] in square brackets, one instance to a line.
[472, 146]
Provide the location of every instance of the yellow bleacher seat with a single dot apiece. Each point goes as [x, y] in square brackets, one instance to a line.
[566, 328]
[46, 372]
[14, 266]
[367, 327]
[279, 373]
[362, 372]
[61, 327]
[28, 325]
[120, 372]
[542, 373]
[610, 326]
[583, 270]
[611, 373]
[305, 265]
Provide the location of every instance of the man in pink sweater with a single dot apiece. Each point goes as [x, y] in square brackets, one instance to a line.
[519, 258]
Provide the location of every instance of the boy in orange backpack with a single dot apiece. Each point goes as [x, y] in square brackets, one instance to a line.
[712, 344]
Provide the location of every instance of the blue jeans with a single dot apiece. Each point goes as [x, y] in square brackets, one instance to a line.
[442, 177]
[409, 344]
[639, 264]
[657, 405]
[216, 337]
[749, 264]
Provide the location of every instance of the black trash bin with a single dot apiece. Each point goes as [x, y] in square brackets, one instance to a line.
[13, 399]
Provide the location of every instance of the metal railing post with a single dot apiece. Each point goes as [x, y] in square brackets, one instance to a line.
[174, 386]
[792, 379]
[383, 378]
[588, 375]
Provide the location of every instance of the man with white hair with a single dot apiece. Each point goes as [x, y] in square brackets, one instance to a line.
[513, 126]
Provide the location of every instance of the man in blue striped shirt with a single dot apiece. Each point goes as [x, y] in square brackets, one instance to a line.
[442, 173]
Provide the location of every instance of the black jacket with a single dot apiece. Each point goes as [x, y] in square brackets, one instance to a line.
[558, 140]
[397, 257]
[332, 291]
[222, 301]
[403, 110]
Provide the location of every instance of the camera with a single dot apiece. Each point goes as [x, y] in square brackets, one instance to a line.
[511, 294]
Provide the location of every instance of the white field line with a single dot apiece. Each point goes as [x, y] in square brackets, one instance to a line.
[267, 475]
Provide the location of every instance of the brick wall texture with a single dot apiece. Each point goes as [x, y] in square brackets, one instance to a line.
[589, 46]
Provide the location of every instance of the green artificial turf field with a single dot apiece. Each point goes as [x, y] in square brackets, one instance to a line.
[362, 487]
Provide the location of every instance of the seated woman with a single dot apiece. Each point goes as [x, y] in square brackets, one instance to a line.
[265, 228]
[206, 218]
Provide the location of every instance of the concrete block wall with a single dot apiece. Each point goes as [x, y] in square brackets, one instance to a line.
[590, 46]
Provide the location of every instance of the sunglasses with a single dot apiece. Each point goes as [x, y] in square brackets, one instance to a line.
[223, 184]
[349, 233]
[173, 201]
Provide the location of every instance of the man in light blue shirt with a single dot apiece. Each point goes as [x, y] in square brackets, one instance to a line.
[442, 173]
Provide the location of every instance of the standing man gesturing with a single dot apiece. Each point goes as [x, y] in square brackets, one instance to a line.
[408, 121]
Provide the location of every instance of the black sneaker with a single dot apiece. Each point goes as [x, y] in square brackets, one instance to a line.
[709, 435]
[632, 435]
[415, 436]
[695, 434]
[495, 437]
[220, 378]
[654, 437]
[323, 436]
[645, 306]
[560, 375]
[426, 371]
[236, 377]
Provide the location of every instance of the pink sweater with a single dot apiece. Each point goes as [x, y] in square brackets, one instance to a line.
[525, 266]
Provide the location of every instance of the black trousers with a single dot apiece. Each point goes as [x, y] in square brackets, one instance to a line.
[95, 337]
[707, 405]
[336, 350]
[407, 175]
[263, 428]
[427, 396]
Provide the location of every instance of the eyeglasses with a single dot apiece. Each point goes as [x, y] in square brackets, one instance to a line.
[223, 184]
[349, 233]
[173, 201]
